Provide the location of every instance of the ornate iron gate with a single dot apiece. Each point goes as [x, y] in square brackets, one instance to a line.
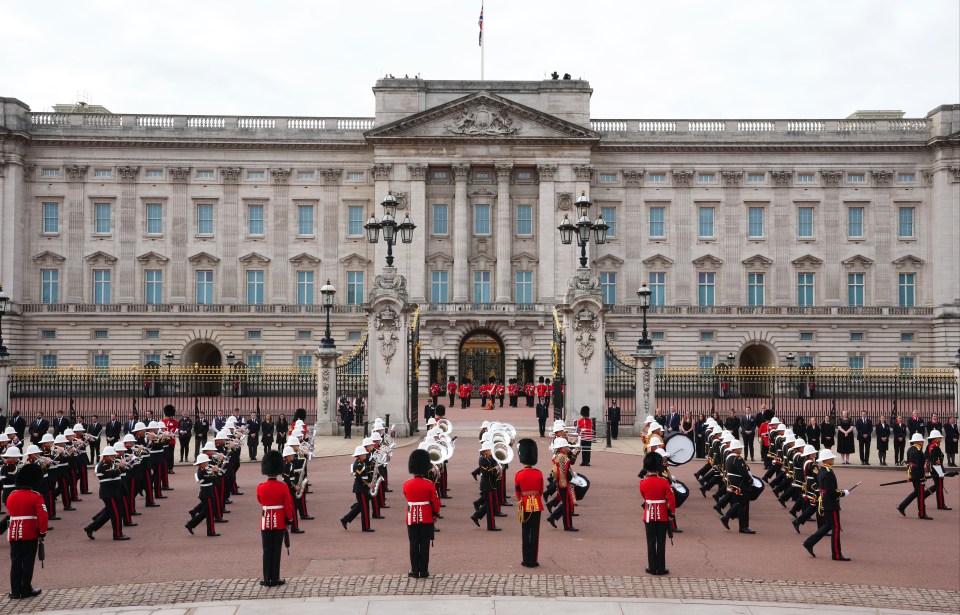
[620, 383]
[353, 376]
[559, 375]
[413, 349]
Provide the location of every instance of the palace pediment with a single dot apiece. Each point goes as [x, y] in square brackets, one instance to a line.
[481, 115]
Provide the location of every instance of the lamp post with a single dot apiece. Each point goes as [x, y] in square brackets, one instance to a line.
[4, 299]
[327, 291]
[584, 228]
[231, 359]
[644, 344]
[388, 224]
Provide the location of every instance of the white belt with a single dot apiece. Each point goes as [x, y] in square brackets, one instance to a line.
[206, 484]
[412, 504]
[107, 480]
[656, 501]
[272, 507]
[21, 518]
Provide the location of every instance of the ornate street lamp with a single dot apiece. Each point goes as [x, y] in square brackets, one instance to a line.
[388, 224]
[791, 358]
[956, 357]
[731, 358]
[645, 344]
[231, 359]
[4, 299]
[584, 228]
[327, 291]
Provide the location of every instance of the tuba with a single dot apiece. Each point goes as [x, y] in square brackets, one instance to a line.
[445, 426]
[502, 453]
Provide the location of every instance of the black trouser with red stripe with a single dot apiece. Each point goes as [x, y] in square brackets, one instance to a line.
[486, 505]
[23, 556]
[112, 511]
[565, 507]
[831, 523]
[205, 510]
[916, 494]
[530, 537]
[360, 507]
[937, 488]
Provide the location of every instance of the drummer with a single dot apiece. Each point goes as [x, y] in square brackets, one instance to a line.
[679, 489]
[654, 434]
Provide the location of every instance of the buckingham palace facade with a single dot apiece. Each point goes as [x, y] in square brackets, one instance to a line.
[124, 237]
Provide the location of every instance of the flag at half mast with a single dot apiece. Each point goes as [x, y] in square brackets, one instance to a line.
[480, 23]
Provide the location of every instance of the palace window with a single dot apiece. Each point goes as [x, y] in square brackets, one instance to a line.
[305, 220]
[255, 287]
[905, 222]
[705, 288]
[154, 218]
[705, 227]
[355, 221]
[481, 219]
[481, 287]
[51, 218]
[153, 293]
[755, 222]
[657, 218]
[205, 219]
[102, 222]
[304, 288]
[906, 284]
[439, 287]
[658, 287]
[805, 222]
[755, 289]
[354, 287]
[608, 287]
[255, 219]
[805, 289]
[205, 287]
[101, 286]
[524, 287]
[49, 286]
[440, 226]
[609, 215]
[524, 220]
[855, 284]
[855, 222]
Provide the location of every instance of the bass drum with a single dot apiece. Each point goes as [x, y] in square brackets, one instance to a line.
[756, 489]
[681, 449]
[581, 484]
[680, 492]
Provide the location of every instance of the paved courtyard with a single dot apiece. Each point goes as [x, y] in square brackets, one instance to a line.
[898, 563]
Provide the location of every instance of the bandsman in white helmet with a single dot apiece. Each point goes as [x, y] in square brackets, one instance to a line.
[110, 473]
[935, 463]
[562, 473]
[916, 472]
[740, 481]
[362, 481]
[830, 495]
[206, 509]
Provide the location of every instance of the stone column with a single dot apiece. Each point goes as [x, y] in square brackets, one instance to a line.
[180, 225]
[74, 215]
[504, 235]
[231, 218]
[784, 274]
[584, 357]
[683, 226]
[6, 367]
[127, 278]
[832, 290]
[280, 233]
[17, 272]
[417, 251]
[632, 214]
[327, 220]
[461, 236]
[885, 221]
[733, 284]
[547, 239]
[646, 388]
[389, 364]
[327, 392]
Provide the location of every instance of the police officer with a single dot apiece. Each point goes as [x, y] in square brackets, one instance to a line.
[542, 418]
[613, 417]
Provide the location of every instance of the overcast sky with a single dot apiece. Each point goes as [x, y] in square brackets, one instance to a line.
[666, 59]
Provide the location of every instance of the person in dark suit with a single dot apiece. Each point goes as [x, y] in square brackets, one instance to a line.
[699, 435]
[828, 432]
[219, 421]
[201, 428]
[430, 411]
[94, 429]
[748, 429]
[899, 429]
[673, 420]
[915, 424]
[864, 435]
[883, 440]
[732, 424]
[38, 428]
[18, 423]
[129, 424]
[61, 423]
[542, 417]
[253, 435]
[951, 434]
[112, 430]
[346, 417]
[613, 417]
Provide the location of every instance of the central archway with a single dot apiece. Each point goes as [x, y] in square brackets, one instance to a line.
[481, 356]
[756, 356]
[204, 354]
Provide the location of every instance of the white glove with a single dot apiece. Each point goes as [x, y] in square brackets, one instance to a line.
[938, 470]
[846, 492]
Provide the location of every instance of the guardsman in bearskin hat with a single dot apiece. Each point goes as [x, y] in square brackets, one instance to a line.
[28, 526]
[278, 511]
[529, 487]
[423, 506]
[658, 506]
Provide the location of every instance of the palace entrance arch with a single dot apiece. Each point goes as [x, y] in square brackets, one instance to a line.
[755, 356]
[481, 356]
[204, 355]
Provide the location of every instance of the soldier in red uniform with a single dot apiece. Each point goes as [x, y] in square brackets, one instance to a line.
[171, 426]
[423, 506]
[465, 391]
[528, 483]
[28, 526]
[658, 506]
[513, 392]
[484, 394]
[542, 391]
[528, 392]
[585, 433]
[500, 391]
[452, 390]
[434, 391]
[277, 503]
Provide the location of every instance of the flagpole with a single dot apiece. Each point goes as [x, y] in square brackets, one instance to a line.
[482, 42]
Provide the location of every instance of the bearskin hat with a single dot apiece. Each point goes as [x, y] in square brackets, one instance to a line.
[653, 463]
[169, 410]
[419, 463]
[300, 414]
[30, 476]
[272, 464]
[585, 411]
[527, 451]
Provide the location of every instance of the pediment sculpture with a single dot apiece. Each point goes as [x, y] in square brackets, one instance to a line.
[483, 121]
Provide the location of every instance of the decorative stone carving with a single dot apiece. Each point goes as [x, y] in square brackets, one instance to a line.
[304, 260]
[48, 258]
[682, 178]
[658, 261]
[881, 177]
[281, 176]
[526, 338]
[782, 178]
[608, 262]
[633, 177]
[482, 247]
[909, 262]
[546, 172]
[331, 177]
[583, 172]
[858, 261]
[417, 171]
[461, 171]
[927, 175]
[483, 121]
[128, 174]
[757, 261]
[707, 261]
[381, 171]
[956, 173]
[100, 258]
[28, 170]
[325, 385]
[524, 261]
[503, 172]
[585, 326]
[254, 258]
[831, 179]
[179, 175]
[76, 172]
[582, 284]
[564, 201]
[152, 257]
[732, 179]
[231, 175]
[482, 192]
[389, 284]
[204, 259]
[403, 199]
[436, 338]
[387, 323]
[807, 261]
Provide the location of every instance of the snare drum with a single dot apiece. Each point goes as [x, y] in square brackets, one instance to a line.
[756, 489]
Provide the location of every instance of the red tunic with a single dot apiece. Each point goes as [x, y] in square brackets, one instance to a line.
[464, 391]
[434, 390]
[170, 424]
[28, 515]
[542, 390]
[513, 390]
[451, 388]
[658, 498]
[585, 429]
[764, 432]
[528, 390]
[529, 487]
[277, 504]
[422, 501]
[484, 390]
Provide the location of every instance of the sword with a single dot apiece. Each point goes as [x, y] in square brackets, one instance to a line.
[855, 486]
[286, 540]
[900, 482]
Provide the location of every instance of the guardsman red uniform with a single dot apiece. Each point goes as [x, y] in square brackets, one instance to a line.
[434, 391]
[513, 392]
[499, 391]
[658, 506]
[423, 506]
[484, 394]
[452, 390]
[27, 527]
[528, 392]
[277, 507]
[465, 391]
[528, 484]
[542, 390]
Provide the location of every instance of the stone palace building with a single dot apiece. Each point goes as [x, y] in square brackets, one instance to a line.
[126, 236]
